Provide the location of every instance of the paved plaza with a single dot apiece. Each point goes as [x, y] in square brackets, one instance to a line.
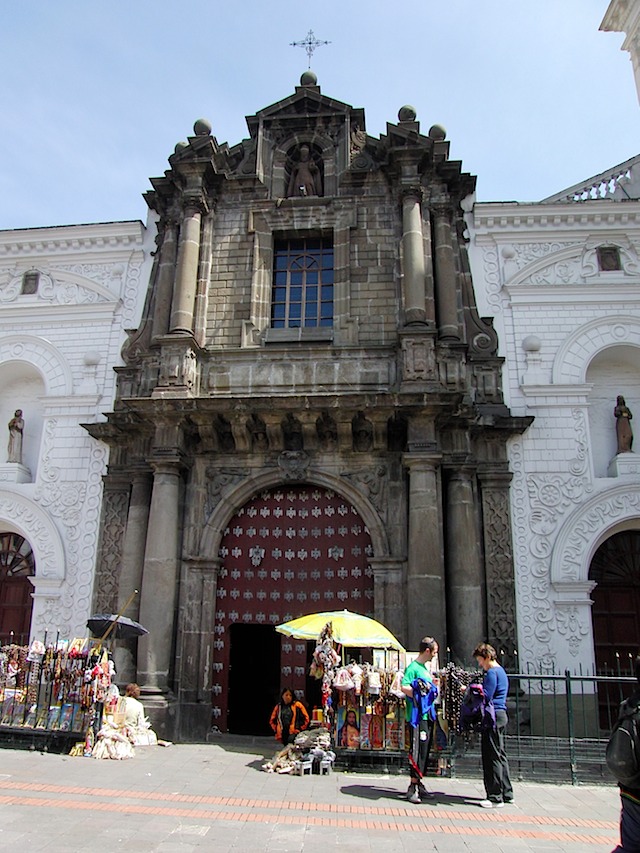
[216, 797]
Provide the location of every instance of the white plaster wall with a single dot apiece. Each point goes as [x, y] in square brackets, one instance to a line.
[57, 352]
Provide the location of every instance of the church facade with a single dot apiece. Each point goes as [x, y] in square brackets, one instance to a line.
[66, 295]
[561, 279]
[309, 416]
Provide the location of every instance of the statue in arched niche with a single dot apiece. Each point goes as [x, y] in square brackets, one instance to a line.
[362, 433]
[305, 175]
[624, 433]
[16, 429]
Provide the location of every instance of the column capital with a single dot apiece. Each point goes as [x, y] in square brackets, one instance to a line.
[412, 193]
[422, 460]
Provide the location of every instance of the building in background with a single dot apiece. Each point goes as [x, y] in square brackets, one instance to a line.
[310, 415]
[623, 16]
[66, 296]
[561, 278]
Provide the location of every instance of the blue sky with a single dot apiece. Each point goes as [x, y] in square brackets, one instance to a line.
[534, 98]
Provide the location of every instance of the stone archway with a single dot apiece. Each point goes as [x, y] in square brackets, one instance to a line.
[288, 551]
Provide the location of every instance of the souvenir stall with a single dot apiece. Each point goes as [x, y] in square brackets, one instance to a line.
[49, 690]
[362, 703]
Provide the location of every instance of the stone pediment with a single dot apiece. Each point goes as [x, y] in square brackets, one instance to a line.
[58, 287]
[307, 103]
[554, 263]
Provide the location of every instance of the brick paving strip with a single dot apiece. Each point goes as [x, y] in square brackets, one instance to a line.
[503, 824]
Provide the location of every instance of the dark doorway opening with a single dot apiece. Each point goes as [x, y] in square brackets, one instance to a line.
[616, 615]
[254, 678]
[17, 564]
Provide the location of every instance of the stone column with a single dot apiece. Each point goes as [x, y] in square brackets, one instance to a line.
[388, 595]
[499, 567]
[115, 499]
[426, 602]
[445, 274]
[133, 549]
[465, 576]
[186, 282]
[413, 267]
[196, 637]
[160, 579]
[166, 276]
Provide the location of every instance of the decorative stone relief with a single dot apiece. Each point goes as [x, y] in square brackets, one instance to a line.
[294, 464]
[501, 604]
[115, 505]
[516, 257]
[31, 521]
[492, 275]
[539, 504]
[217, 480]
[372, 483]
[418, 359]
[53, 290]
[602, 515]
[570, 622]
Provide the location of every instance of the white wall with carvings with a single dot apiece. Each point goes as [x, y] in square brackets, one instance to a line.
[570, 334]
[58, 348]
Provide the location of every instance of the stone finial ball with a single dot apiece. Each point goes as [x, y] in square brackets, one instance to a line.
[308, 79]
[91, 358]
[531, 343]
[437, 133]
[180, 146]
[407, 113]
[202, 127]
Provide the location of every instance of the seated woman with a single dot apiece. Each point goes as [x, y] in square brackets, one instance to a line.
[134, 721]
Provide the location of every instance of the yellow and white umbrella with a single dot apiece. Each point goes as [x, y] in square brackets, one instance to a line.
[349, 629]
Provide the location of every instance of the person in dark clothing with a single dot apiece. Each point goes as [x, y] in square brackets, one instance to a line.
[630, 797]
[288, 718]
[495, 767]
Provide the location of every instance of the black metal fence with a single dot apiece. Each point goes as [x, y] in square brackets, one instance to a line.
[559, 724]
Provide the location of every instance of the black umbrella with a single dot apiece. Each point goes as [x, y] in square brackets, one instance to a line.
[114, 625]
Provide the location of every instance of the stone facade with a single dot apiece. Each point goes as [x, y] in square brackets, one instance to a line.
[561, 279]
[388, 414]
[66, 296]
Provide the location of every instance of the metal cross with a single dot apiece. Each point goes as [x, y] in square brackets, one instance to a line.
[310, 43]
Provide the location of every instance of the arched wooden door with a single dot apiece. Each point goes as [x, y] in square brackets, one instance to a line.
[16, 566]
[616, 613]
[287, 552]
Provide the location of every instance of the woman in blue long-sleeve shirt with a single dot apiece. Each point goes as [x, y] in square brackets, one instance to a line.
[495, 767]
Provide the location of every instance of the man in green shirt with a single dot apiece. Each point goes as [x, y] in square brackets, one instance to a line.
[422, 734]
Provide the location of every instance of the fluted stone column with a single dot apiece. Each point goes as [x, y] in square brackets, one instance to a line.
[160, 579]
[413, 266]
[445, 274]
[166, 276]
[465, 575]
[187, 270]
[426, 600]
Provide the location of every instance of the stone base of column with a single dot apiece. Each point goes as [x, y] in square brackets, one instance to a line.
[162, 710]
[415, 316]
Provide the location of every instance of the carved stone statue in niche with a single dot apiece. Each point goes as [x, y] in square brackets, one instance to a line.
[292, 433]
[258, 432]
[327, 431]
[624, 433]
[16, 428]
[305, 175]
[362, 433]
[223, 429]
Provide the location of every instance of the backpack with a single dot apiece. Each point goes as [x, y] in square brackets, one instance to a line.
[623, 748]
[472, 708]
